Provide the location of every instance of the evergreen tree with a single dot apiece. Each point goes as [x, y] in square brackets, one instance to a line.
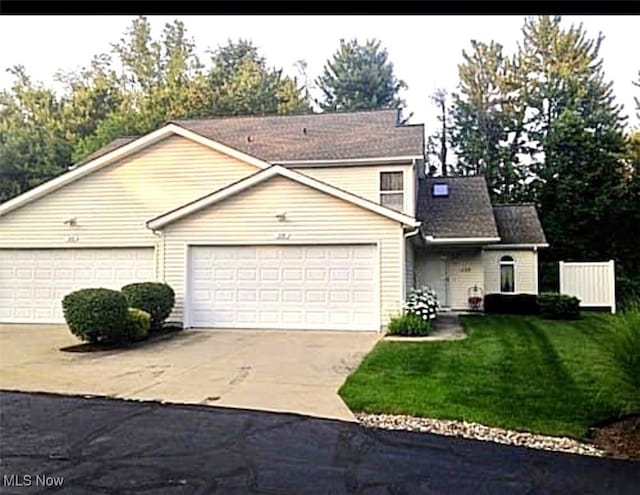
[487, 121]
[359, 77]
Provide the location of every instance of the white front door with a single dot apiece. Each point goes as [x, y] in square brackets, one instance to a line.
[437, 276]
[34, 281]
[322, 287]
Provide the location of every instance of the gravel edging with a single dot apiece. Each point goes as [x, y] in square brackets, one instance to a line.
[477, 431]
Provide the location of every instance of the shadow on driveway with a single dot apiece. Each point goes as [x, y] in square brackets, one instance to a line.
[104, 446]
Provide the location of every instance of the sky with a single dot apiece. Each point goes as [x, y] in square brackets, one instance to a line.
[425, 50]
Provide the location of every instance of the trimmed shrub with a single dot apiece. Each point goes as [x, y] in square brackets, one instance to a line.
[514, 304]
[409, 324]
[623, 345]
[422, 302]
[138, 324]
[556, 306]
[96, 315]
[155, 298]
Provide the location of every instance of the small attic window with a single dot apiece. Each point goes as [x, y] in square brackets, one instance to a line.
[440, 190]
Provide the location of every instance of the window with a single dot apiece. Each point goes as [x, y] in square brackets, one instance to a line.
[440, 190]
[507, 272]
[392, 190]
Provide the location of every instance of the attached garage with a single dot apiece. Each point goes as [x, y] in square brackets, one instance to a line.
[304, 287]
[34, 281]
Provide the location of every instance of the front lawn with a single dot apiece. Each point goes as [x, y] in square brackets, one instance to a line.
[516, 372]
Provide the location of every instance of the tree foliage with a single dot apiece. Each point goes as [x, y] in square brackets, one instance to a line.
[635, 98]
[33, 147]
[359, 77]
[142, 84]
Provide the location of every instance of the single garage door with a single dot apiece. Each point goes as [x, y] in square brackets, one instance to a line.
[34, 281]
[292, 287]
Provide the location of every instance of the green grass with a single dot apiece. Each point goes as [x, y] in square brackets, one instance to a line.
[516, 372]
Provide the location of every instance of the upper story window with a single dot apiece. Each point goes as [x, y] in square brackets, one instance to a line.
[392, 190]
[507, 274]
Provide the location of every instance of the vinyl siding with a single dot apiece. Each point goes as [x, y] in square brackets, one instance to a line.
[525, 270]
[364, 181]
[465, 271]
[312, 217]
[112, 204]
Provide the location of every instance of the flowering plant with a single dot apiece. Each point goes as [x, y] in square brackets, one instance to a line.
[423, 302]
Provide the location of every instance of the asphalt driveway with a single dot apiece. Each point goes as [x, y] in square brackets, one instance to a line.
[265, 370]
[103, 446]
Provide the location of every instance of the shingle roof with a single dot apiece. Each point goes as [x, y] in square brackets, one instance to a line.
[519, 224]
[465, 212]
[319, 136]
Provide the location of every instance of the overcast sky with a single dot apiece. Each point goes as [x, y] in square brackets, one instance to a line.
[425, 50]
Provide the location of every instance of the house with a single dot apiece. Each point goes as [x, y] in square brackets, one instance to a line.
[320, 221]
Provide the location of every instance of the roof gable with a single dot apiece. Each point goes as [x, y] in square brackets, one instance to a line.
[119, 153]
[276, 170]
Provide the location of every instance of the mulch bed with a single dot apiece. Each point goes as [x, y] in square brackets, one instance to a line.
[619, 438]
[166, 332]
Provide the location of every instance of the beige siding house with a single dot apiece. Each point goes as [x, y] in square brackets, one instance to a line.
[322, 221]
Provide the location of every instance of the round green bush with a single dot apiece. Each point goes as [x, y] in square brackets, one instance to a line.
[155, 298]
[138, 324]
[96, 315]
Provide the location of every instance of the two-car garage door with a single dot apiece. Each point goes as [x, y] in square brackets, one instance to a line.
[34, 281]
[296, 287]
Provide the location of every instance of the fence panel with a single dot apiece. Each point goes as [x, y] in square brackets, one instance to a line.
[591, 282]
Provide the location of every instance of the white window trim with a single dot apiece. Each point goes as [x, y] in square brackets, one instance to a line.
[507, 263]
[404, 186]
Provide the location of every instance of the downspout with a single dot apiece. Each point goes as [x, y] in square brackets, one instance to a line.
[412, 233]
[404, 262]
[159, 255]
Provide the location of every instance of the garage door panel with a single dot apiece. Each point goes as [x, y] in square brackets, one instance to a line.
[34, 281]
[298, 287]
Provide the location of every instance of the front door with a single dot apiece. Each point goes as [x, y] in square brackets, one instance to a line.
[437, 277]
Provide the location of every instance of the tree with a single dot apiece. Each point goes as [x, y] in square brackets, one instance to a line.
[33, 147]
[242, 84]
[359, 77]
[91, 95]
[143, 84]
[635, 98]
[438, 143]
[487, 120]
[576, 142]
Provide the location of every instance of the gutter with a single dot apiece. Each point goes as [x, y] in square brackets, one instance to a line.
[519, 246]
[460, 240]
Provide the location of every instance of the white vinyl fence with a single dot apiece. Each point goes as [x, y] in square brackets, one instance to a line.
[593, 283]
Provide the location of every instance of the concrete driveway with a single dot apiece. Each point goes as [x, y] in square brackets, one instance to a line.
[265, 370]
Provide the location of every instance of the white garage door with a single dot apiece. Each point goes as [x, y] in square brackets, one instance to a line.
[34, 281]
[295, 287]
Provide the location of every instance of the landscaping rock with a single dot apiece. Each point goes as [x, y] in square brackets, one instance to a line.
[477, 431]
